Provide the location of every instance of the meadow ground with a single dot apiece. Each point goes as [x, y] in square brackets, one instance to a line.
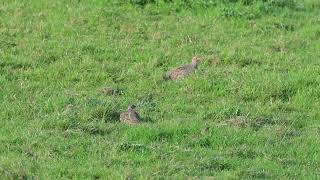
[257, 89]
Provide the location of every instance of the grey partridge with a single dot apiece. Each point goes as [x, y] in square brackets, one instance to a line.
[130, 116]
[182, 71]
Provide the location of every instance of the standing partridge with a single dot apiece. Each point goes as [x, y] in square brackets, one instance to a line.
[130, 116]
[182, 71]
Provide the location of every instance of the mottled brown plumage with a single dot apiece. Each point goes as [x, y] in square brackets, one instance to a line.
[130, 116]
[182, 71]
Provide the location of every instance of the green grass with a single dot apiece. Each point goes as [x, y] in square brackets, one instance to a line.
[257, 89]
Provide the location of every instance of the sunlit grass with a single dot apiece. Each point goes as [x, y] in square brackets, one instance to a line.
[257, 89]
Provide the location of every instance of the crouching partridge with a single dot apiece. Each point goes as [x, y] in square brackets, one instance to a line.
[130, 116]
[182, 71]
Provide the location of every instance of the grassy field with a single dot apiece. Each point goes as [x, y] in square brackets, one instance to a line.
[257, 89]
